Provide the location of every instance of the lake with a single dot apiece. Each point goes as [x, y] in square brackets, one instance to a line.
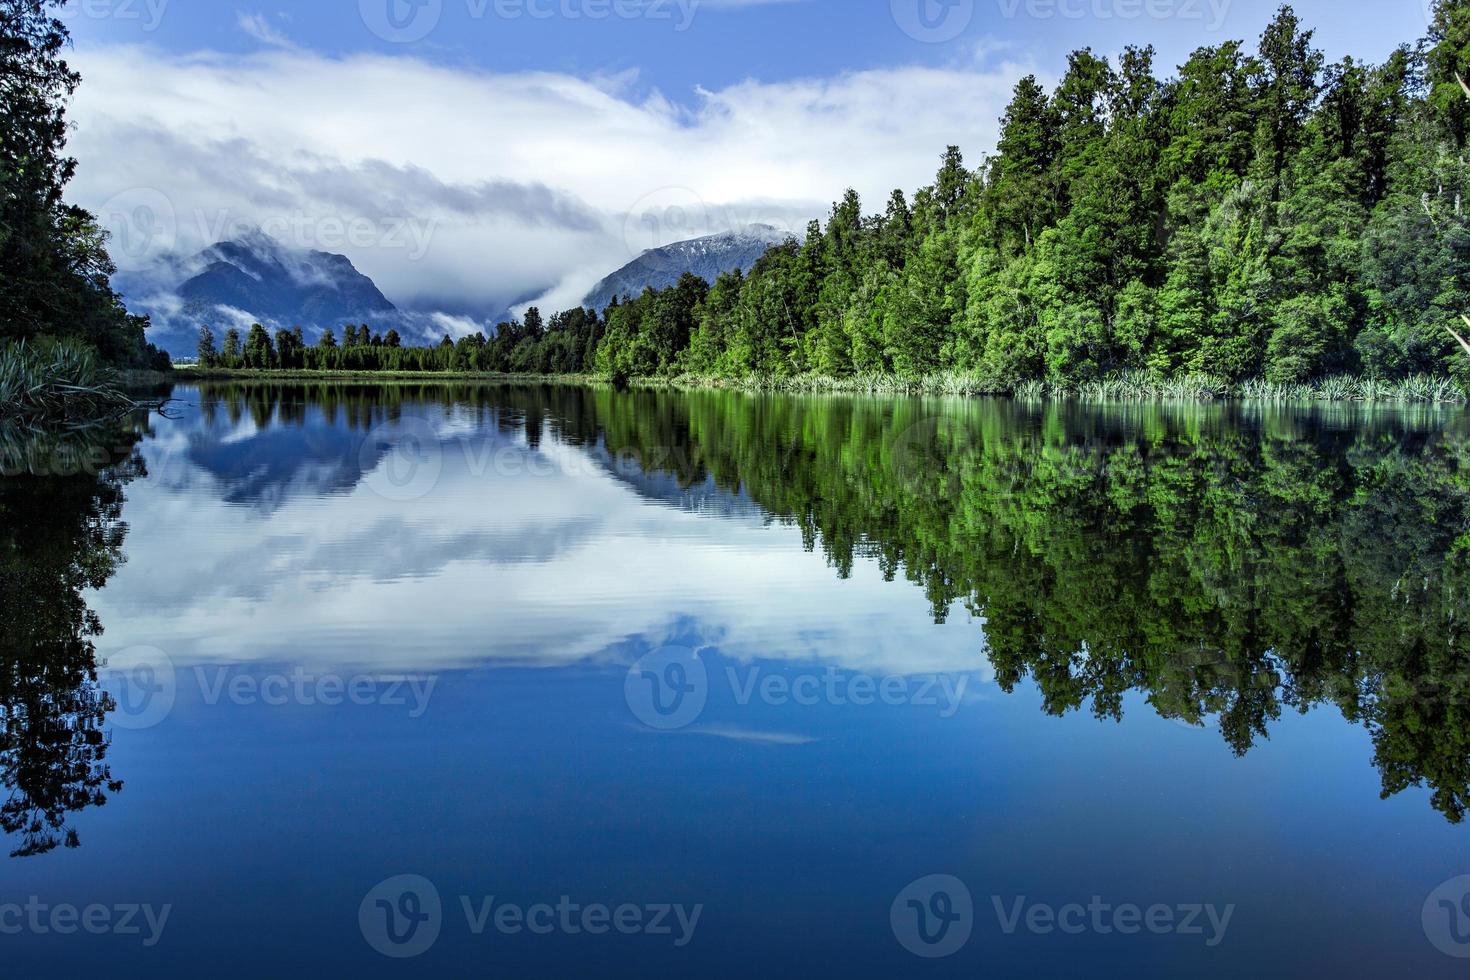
[393, 680]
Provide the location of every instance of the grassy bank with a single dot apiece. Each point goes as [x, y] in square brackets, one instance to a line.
[189, 373]
[1424, 389]
[1132, 387]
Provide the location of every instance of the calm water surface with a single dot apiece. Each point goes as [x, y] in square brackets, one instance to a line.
[514, 681]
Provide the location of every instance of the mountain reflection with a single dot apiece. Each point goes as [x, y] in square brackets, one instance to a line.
[60, 533]
[1227, 563]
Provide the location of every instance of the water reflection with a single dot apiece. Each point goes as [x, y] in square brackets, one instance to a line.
[1230, 563]
[1227, 564]
[61, 533]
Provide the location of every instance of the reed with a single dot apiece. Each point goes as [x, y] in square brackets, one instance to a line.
[1127, 387]
[57, 382]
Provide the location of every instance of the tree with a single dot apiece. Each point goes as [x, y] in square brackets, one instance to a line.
[233, 348]
[206, 351]
[259, 352]
[54, 266]
[1287, 85]
[1448, 65]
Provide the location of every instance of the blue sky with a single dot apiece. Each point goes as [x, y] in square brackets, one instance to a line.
[725, 42]
[470, 154]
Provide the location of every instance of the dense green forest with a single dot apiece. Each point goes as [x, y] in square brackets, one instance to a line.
[55, 272]
[566, 345]
[1260, 214]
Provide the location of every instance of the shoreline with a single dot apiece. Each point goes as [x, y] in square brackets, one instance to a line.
[1421, 390]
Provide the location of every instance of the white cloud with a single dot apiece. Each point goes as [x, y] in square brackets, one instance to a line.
[521, 181]
[321, 569]
[259, 27]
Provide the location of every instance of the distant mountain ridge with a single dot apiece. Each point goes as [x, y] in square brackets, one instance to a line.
[708, 257]
[254, 278]
[272, 282]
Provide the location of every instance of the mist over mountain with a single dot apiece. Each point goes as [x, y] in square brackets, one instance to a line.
[708, 257]
[254, 278]
[258, 274]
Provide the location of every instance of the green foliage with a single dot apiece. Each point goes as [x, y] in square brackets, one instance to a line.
[56, 382]
[1226, 562]
[1261, 215]
[54, 266]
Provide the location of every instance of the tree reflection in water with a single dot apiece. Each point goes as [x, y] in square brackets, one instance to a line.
[61, 532]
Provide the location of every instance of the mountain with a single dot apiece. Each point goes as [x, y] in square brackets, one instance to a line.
[253, 278]
[272, 282]
[707, 257]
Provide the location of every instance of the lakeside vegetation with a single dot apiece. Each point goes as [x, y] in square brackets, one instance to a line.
[57, 381]
[61, 325]
[1262, 224]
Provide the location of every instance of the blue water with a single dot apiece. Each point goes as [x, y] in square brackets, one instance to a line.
[490, 621]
